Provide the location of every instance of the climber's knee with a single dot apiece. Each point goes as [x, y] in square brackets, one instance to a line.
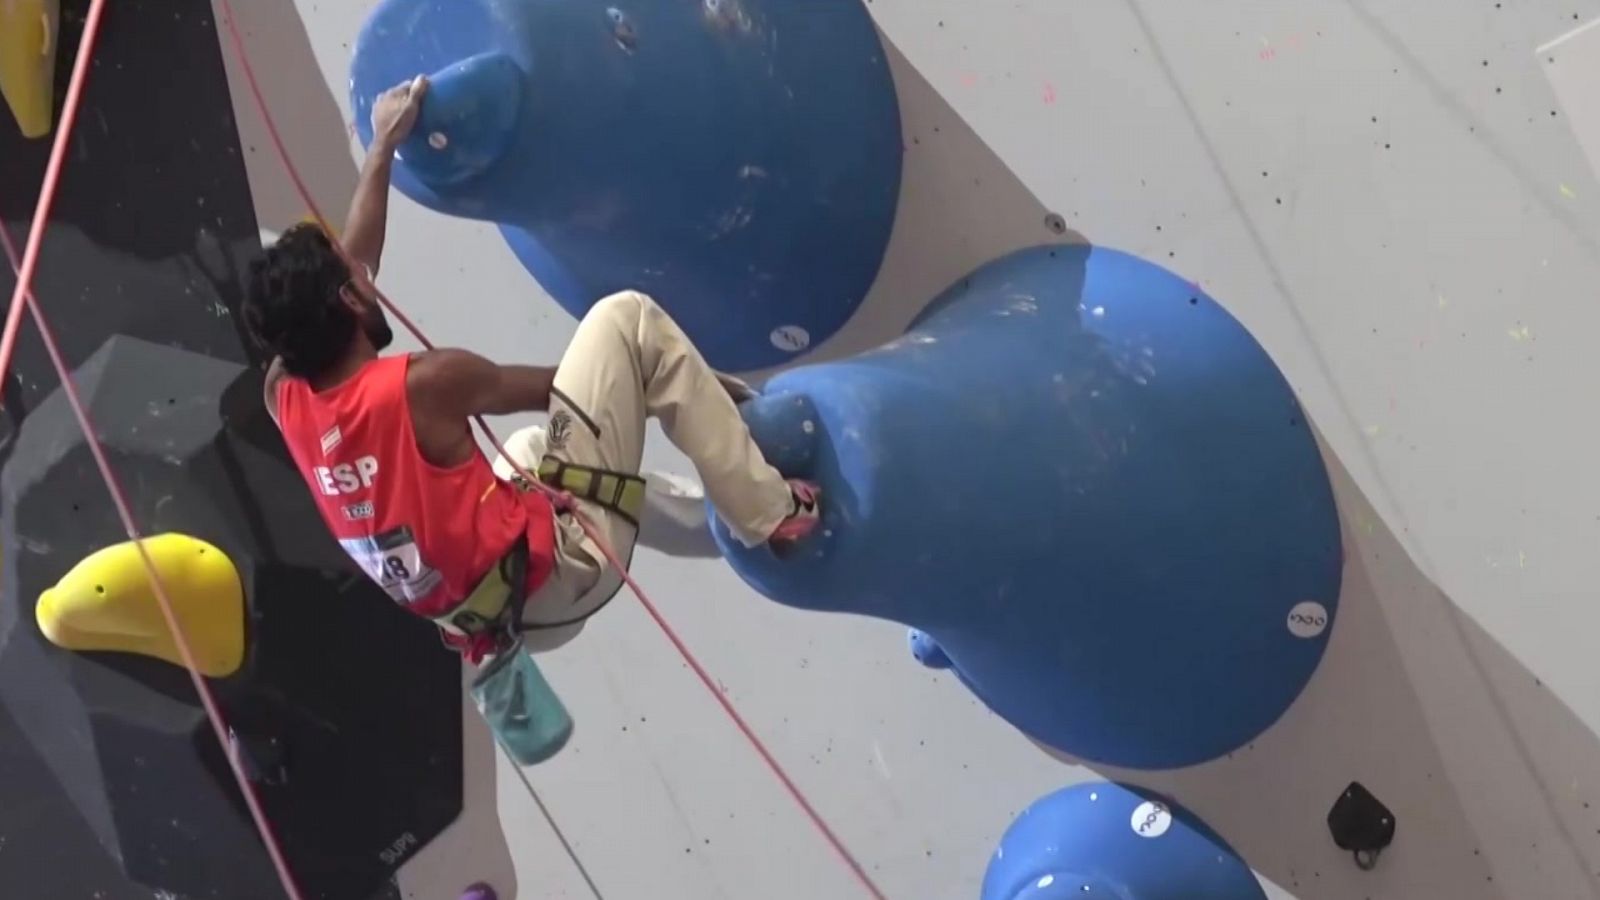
[624, 309]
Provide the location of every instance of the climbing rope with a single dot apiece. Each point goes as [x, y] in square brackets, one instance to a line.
[119, 499]
[560, 499]
[23, 295]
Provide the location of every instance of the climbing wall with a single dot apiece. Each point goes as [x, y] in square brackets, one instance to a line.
[1399, 201]
[115, 786]
[1394, 199]
[99, 254]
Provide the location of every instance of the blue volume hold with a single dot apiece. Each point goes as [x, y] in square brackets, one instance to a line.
[1113, 842]
[468, 121]
[1087, 488]
[738, 160]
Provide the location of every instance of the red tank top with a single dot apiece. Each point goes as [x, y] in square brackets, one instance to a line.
[427, 535]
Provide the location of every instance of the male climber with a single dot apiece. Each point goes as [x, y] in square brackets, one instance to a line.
[385, 445]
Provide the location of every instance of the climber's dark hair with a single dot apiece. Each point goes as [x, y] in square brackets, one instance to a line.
[293, 308]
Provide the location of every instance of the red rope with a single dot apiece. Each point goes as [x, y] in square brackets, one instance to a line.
[47, 193]
[23, 296]
[563, 500]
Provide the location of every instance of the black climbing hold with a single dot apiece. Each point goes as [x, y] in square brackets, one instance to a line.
[347, 711]
[261, 757]
[1361, 824]
[129, 250]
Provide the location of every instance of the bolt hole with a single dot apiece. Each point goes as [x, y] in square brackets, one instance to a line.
[622, 30]
[1055, 223]
[99, 589]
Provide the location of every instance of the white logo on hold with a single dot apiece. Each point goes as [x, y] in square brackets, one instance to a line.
[1151, 819]
[792, 338]
[395, 851]
[331, 439]
[1308, 619]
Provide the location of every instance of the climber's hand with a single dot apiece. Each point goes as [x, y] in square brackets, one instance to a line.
[396, 111]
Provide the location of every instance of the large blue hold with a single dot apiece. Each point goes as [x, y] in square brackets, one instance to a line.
[738, 160]
[1112, 842]
[1090, 490]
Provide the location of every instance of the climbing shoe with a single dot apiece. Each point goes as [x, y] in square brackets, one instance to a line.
[803, 520]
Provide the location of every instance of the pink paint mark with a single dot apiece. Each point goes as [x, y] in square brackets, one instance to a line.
[1049, 93]
[969, 79]
[1267, 54]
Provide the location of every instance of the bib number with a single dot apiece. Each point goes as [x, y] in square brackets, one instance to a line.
[394, 561]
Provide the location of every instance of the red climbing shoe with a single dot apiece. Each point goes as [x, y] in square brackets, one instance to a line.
[804, 519]
[479, 891]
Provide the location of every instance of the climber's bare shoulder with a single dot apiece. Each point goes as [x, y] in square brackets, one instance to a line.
[440, 386]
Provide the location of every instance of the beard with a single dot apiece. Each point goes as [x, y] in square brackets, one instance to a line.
[376, 327]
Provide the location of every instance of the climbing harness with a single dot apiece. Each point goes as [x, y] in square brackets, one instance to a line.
[527, 716]
[619, 492]
[489, 619]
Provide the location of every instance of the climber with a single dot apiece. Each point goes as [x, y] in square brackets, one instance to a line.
[385, 444]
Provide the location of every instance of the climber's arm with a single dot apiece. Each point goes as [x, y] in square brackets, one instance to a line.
[367, 225]
[458, 384]
[393, 116]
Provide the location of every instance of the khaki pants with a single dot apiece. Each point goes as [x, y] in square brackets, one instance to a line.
[627, 362]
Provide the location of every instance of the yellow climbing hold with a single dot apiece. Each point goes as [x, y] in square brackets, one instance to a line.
[106, 602]
[28, 62]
